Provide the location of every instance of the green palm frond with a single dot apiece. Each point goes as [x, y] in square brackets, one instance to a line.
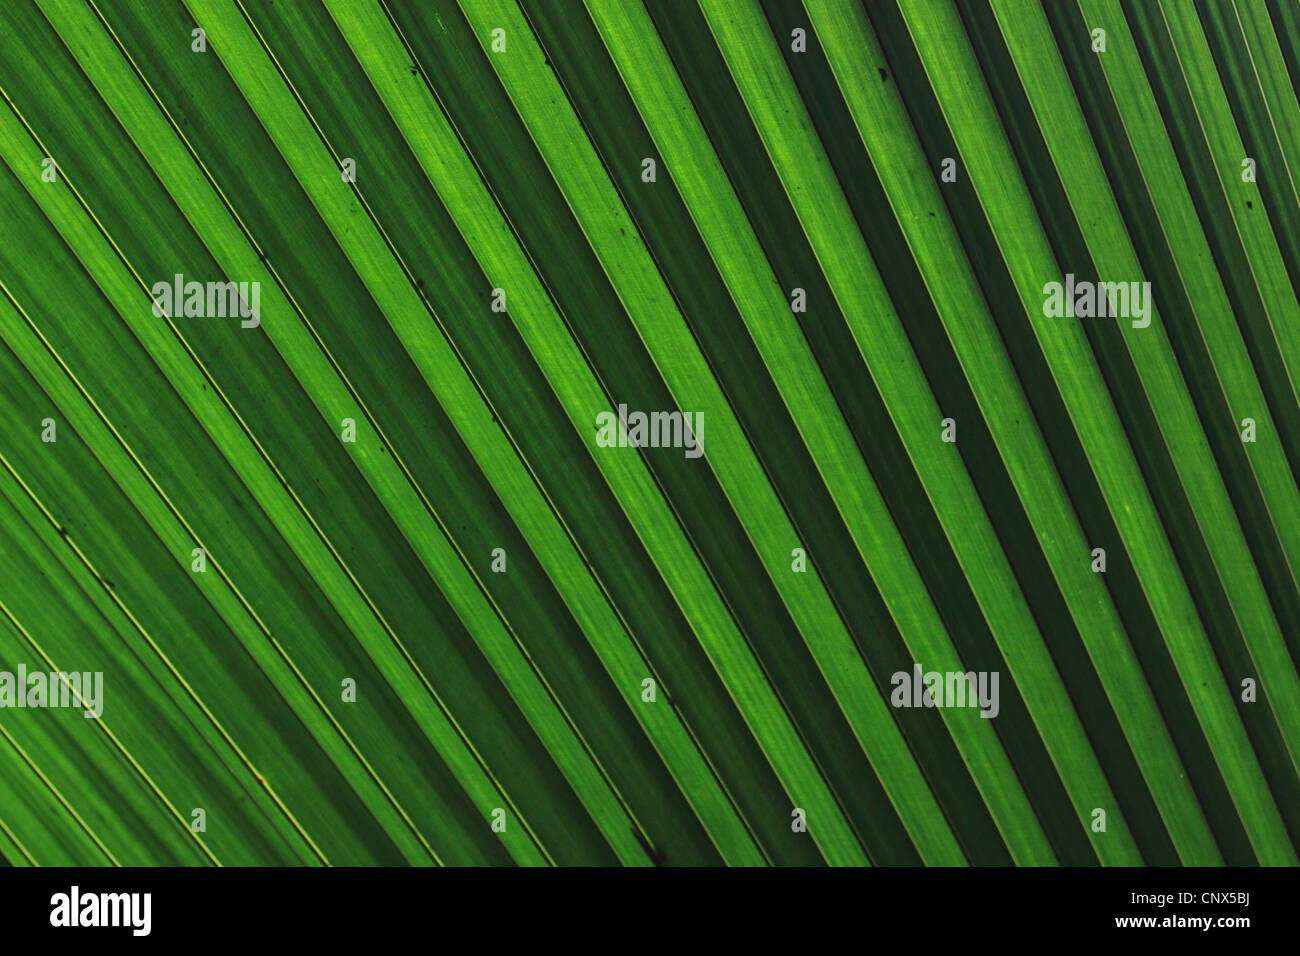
[373, 573]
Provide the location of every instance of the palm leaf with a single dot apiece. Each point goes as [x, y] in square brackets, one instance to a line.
[366, 585]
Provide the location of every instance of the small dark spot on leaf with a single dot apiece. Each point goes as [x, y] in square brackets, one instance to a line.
[884, 74]
[931, 214]
[1249, 204]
